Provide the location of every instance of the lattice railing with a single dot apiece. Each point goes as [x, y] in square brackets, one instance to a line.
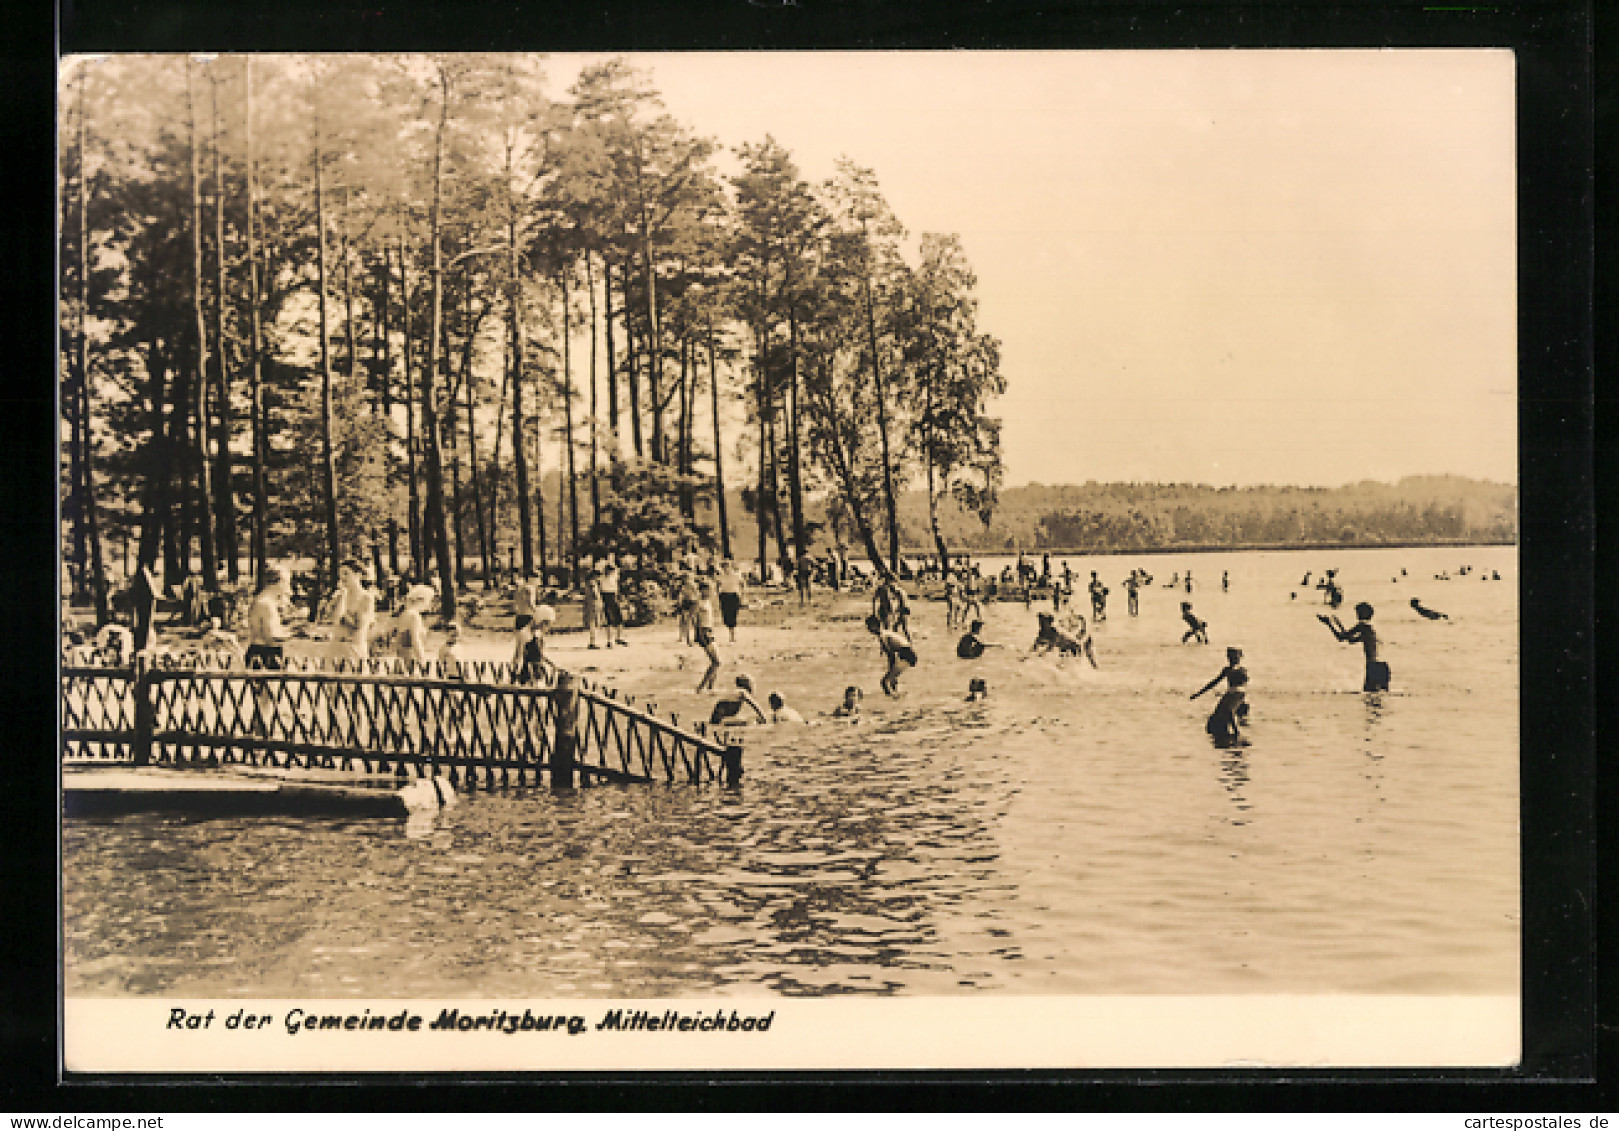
[486, 727]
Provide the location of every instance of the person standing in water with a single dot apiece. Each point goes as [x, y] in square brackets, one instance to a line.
[888, 605]
[1098, 598]
[1377, 672]
[1233, 667]
[1195, 629]
[896, 650]
[1224, 722]
[1132, 594]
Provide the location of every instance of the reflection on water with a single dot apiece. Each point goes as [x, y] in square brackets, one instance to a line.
[1076, 833]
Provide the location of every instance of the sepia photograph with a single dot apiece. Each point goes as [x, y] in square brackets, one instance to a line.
[872, 559]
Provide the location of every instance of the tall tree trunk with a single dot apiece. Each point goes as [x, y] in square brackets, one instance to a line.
[435, 467]
[348, 294]
[654, 329]
[86, 461]
[933, 493]
[595, 423]
[418, 543]
[514, 309]
[384, 365]
[633, 371]
[205, 495]
[261, 443]
[795, 483]
[782, 554]
[477, 480]
[334, 545]
[719, 448]
[617, 452]
[567, 416]
[762, 504]
[453, 434]
[224, 480]
[688, 503]
[889, 498]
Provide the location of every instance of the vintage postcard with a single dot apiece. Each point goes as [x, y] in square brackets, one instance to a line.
[790, 560]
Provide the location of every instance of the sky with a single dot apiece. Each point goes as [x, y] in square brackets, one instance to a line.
[1223, 267]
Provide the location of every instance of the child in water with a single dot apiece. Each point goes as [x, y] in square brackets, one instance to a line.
[896, 649]
[850, 707]
[1377, 672]
[1195, 628]
[1052, 639]
[971, 646]
[780, 712]
[977, 689]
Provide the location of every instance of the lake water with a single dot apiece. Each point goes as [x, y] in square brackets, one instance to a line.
[1078, 833]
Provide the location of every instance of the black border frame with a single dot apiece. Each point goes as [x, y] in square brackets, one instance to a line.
[1560, 469]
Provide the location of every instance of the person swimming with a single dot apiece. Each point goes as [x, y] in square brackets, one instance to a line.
[728, 711]
[1430, 614]
[1377, 672]
[780, 712]
[850, 707]
[1052, 639]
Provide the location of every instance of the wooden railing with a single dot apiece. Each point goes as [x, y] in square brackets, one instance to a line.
[490, 725]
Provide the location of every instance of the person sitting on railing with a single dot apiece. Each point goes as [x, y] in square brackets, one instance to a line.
[409, 632]
[115, 645]
[449, 654]
[354, 612]
[529, 658]
[265, 639]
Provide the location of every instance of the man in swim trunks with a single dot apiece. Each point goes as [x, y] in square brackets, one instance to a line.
[730, 591]
[1377, 672]
[898, 651]
[612, 614]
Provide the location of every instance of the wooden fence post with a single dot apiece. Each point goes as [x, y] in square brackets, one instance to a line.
[145, 709]
[565, 701]
[732, 761]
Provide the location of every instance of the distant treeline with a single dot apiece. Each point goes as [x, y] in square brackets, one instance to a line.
[1122, 517]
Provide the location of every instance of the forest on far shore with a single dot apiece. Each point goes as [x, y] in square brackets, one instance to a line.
[1123, 517]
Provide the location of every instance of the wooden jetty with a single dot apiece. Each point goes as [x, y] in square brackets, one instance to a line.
[109, 789]
[480, 726]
